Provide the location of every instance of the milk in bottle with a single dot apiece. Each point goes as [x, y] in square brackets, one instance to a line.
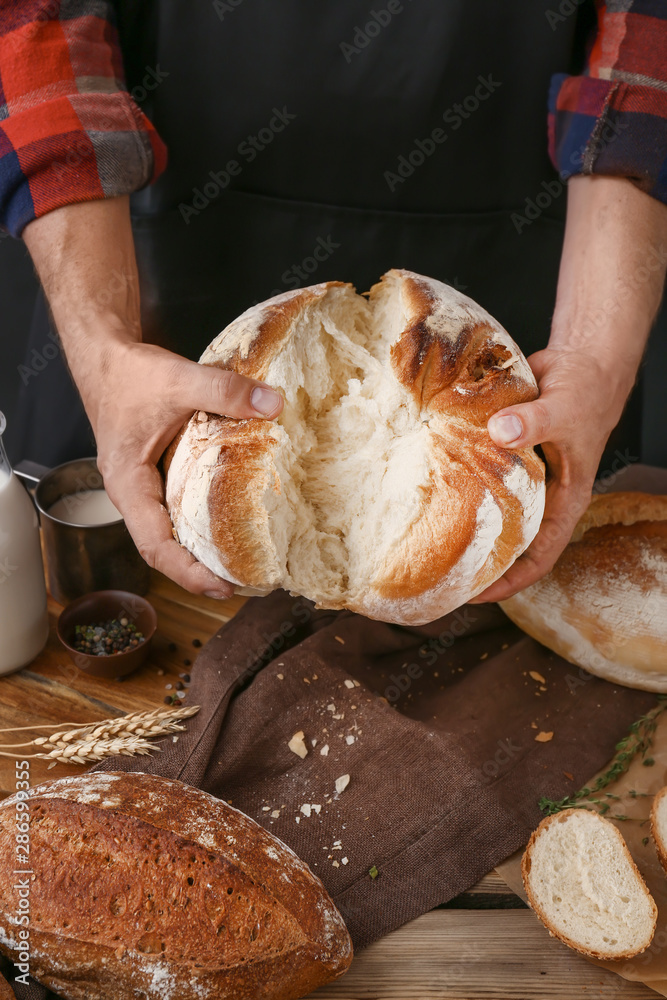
[23, 618]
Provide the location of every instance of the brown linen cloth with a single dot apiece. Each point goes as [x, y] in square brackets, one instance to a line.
[445, 768]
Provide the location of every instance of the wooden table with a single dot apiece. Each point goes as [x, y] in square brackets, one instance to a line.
[484, 944]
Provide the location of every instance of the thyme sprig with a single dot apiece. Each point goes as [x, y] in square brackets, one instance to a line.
[638, 741]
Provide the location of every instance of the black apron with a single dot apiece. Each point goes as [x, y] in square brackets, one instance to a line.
[315, 141]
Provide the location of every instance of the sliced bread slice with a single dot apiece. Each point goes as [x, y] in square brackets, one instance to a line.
[659, 825]
[585, 888]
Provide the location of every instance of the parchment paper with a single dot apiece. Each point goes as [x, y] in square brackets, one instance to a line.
[651, 967]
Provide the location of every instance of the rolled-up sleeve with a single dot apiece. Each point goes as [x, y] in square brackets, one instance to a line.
[613, 119]
[69, 129]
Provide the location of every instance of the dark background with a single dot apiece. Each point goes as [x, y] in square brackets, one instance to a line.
[18, 289]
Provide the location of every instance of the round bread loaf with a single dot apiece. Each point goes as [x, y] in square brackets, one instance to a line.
[379, 488]
[604, 604]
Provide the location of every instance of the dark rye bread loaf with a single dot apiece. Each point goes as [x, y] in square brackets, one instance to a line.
[150, 888]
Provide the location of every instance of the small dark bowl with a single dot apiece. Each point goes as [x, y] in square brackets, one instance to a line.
[100, 606]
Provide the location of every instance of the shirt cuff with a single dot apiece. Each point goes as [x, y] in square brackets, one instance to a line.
[609, 127]
[74, 148]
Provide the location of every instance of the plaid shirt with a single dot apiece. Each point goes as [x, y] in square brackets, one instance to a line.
[70, 131]
[613, 119]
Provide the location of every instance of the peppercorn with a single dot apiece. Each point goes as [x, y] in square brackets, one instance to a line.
[107, 638]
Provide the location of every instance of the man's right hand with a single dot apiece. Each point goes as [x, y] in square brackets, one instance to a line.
[147, 394]
[137, 395]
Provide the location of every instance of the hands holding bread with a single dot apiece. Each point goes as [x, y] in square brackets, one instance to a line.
[139, 395]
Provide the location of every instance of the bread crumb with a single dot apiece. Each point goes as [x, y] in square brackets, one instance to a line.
[338, 639]
[340, 716]
[533, 725]
[281, 677]
[542, 688]
[353, 707]
[483, 656]
[537, 677]
[331, 707]
[543, 737]
[266, 809]
[335, 864]
[505, 645]
[313, 743]
[306, 681]
[316, 809]
[314, 677]
[275, 814]
[356, 684]
[305, 809]
[325, 750]
[343, 782]
[349, 740]
[344, 861]
[349, 683]
[297, 819]
[297, 745]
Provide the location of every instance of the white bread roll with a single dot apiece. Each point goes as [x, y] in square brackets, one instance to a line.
[604, 604]
[584, 886]
[378, 489]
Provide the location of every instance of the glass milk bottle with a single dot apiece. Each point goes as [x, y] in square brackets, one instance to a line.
[24, 623]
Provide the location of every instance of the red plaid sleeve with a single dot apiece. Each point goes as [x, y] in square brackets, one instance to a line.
[69, 130]
[613, 119]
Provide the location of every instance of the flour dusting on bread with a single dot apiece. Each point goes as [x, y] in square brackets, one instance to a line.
[378, 488]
